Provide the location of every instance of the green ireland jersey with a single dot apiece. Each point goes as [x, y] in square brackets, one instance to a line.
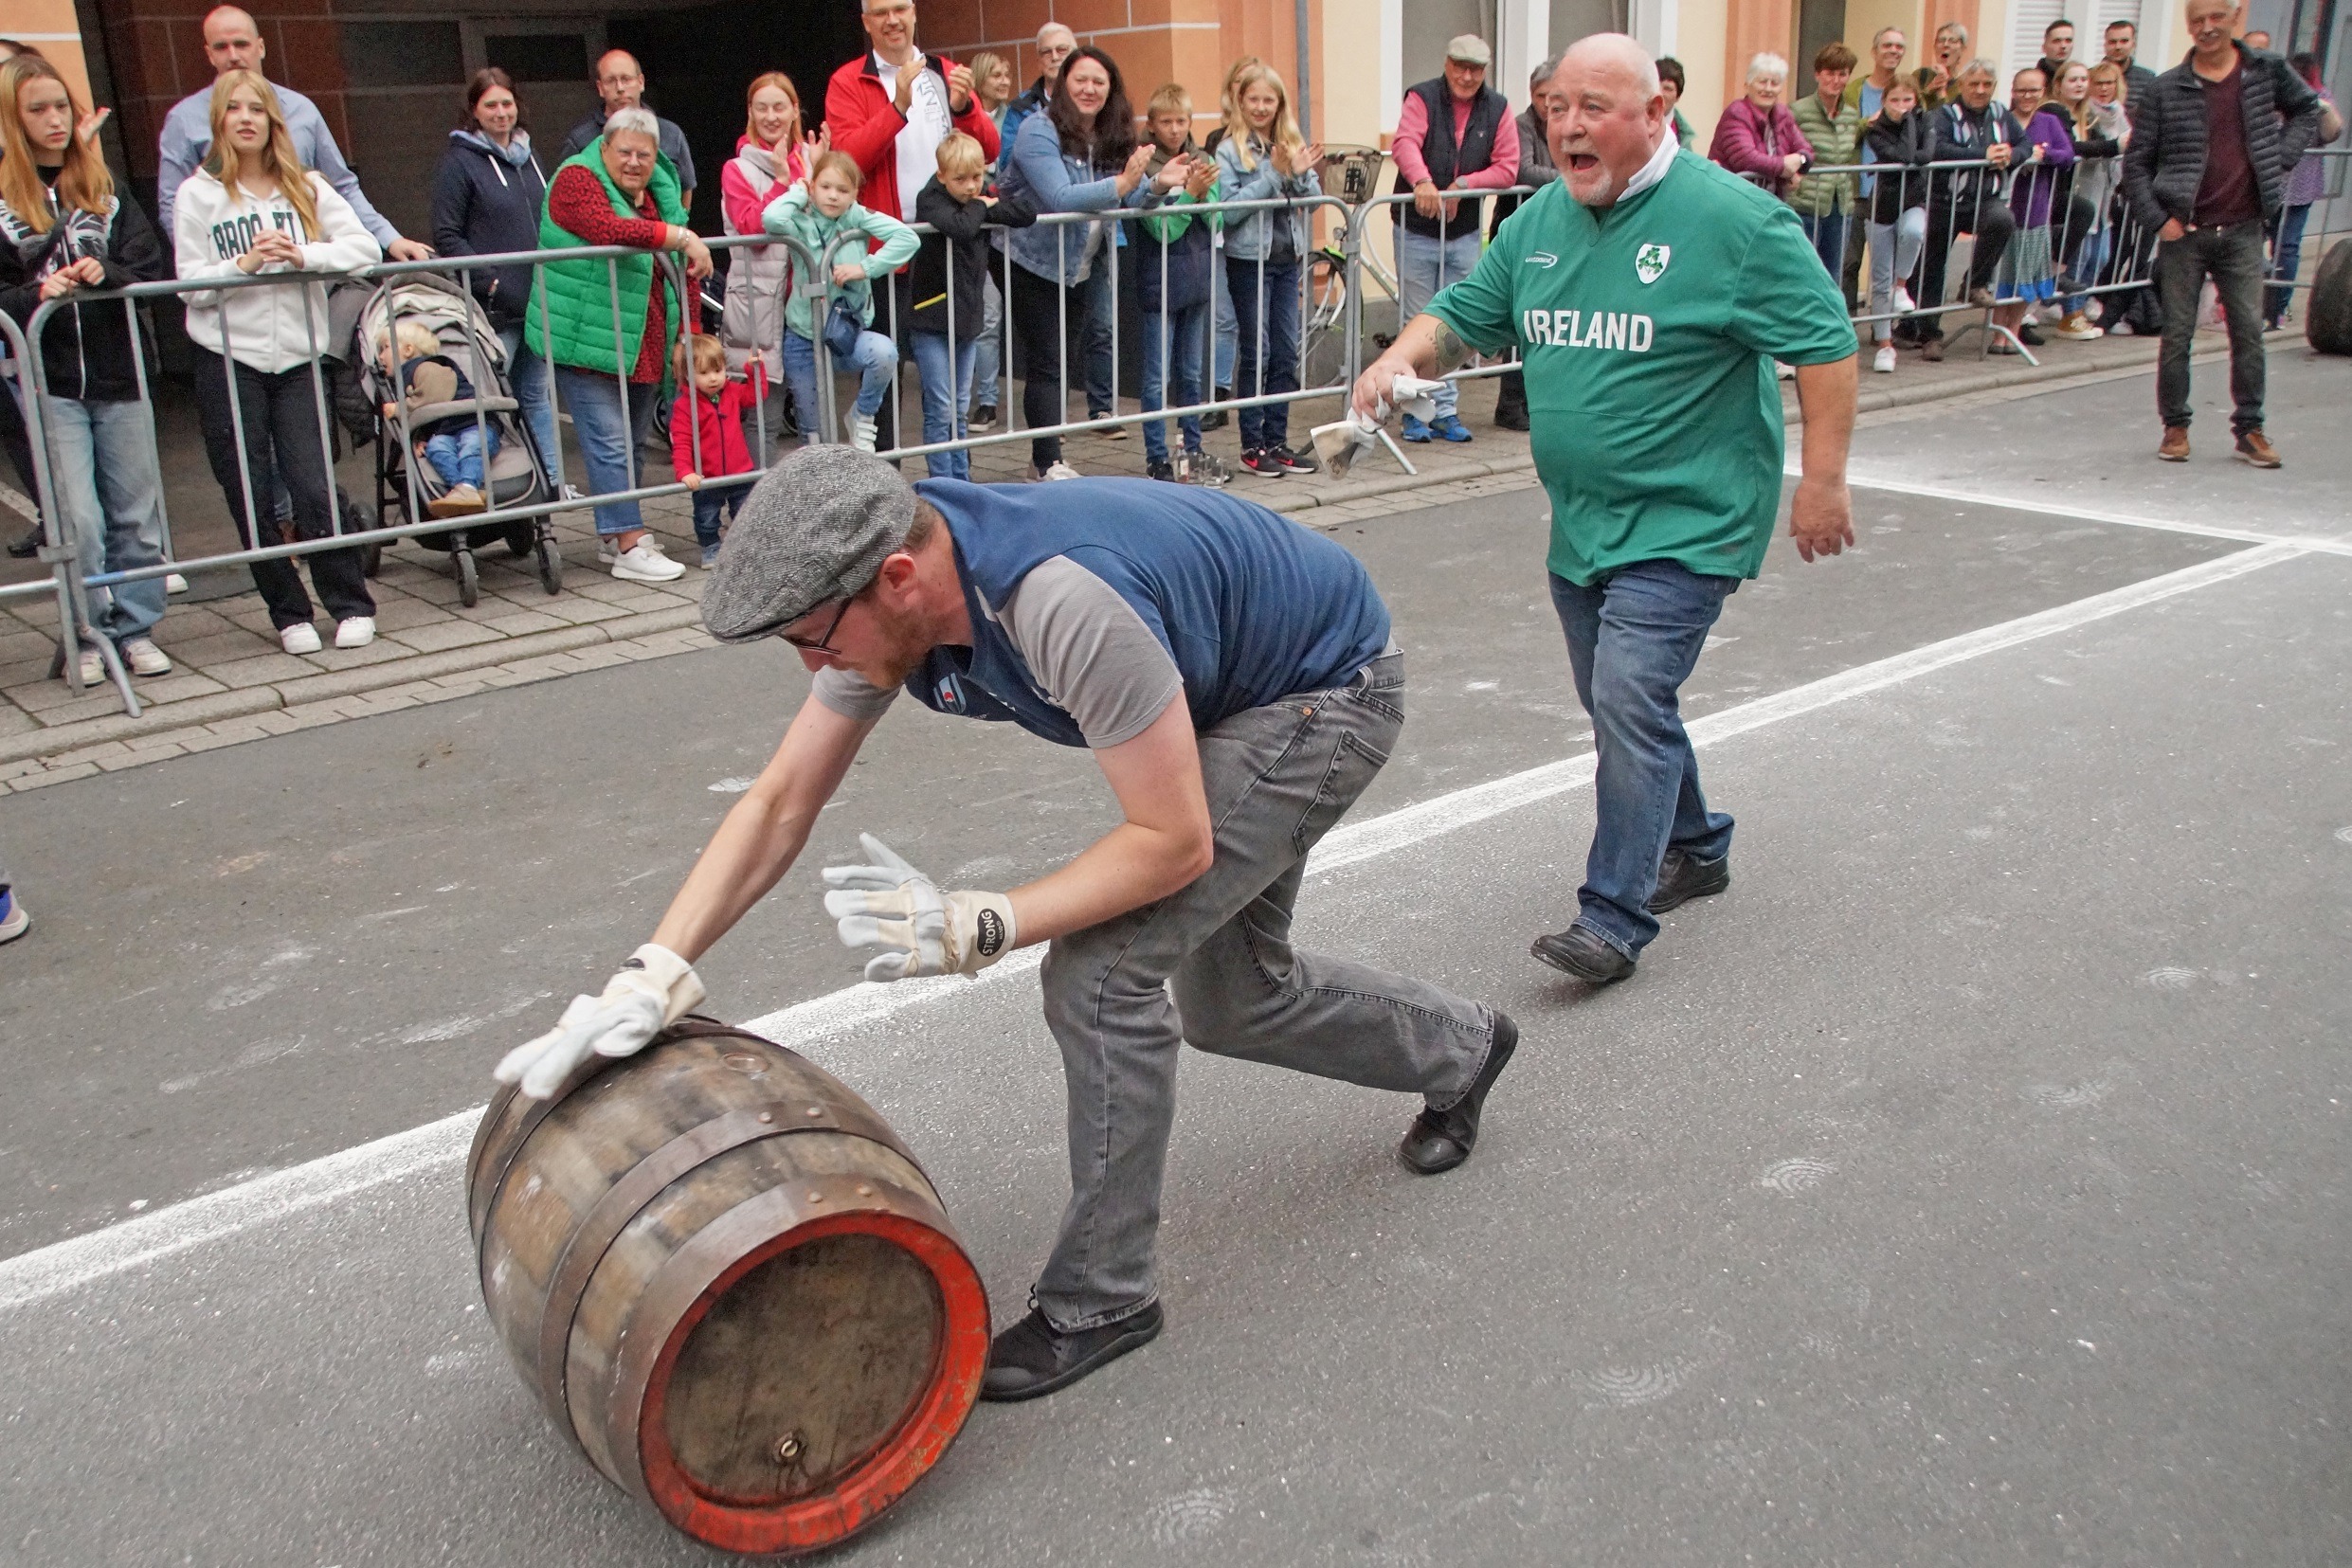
[1648, 333]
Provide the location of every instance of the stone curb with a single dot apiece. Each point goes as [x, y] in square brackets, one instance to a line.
[215, 706]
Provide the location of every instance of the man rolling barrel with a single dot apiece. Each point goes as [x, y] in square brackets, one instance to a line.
[1232, 673]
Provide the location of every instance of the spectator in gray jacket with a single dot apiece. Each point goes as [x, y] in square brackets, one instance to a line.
[1510, 403]
[232, 42]
[2210, 152]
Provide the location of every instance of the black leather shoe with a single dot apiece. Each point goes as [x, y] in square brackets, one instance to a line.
[27, 547]
[1511, 416]
[1584, 952]
[1439, 1140]
[1682, 877]
[1033, 1357]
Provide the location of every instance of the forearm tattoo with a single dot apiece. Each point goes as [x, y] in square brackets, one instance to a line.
[1452, 354]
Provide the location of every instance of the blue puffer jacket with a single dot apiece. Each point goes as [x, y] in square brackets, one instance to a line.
[1049, 180]
[1248, 233]
[486, 201]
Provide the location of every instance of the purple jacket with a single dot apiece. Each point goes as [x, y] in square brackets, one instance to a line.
[2031, 186]
[1750, 141]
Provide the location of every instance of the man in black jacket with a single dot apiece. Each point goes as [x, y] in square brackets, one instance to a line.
[2122, 43]
[621, 84]
[1968, 201]
[2208, 162]
[1510, 403]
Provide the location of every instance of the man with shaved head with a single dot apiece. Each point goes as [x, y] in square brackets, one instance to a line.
[232, 42]
[1648, 293]
[621, 84]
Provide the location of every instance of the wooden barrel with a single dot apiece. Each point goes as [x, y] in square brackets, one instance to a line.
[730, 1284]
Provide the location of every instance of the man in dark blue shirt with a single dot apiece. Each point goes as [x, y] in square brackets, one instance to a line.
[1233, 674]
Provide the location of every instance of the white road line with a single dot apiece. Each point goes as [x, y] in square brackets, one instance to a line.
[68, 1264]
[2318, 543]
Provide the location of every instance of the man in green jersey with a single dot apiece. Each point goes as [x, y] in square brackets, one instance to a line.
[1648, 293]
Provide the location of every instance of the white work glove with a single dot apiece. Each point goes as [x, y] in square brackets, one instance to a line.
[916, 929]
[654, 990]
[1415, 396]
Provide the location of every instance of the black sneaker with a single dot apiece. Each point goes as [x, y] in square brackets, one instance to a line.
[1584, 952]
[1294, 461]
[1682, 877]
[1511, 415]
[984, 418]
[2029, 334]
[1162, 469]
[1216, 418]
[1033, 1357]
[1264, 464]
[1439, 1140]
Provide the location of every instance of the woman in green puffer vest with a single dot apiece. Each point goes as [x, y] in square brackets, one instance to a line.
[1825, 203]
[617, 191]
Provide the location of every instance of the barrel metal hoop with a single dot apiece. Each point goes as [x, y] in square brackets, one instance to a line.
[722, 1248]
[626, 1198]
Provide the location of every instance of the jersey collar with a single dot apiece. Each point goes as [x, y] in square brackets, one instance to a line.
[1654, 171]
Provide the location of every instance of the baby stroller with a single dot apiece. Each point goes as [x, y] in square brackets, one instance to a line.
[515, 476]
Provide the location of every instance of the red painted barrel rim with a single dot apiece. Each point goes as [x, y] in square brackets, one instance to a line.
[895, 1465]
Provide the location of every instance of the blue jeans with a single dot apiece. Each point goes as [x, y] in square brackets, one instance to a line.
[458, 455]
[1228, 335]
[110, 503]
[1102, 306]
[2086, 265]
[527, 375]
[2286, 259]
[1276, 370]
[608, 440]
[1633, 637]
[1172, 354]
[874, 362]
[946, 368]
[709, 504]
[1827, 230]
[988, 362]
[1425, 266]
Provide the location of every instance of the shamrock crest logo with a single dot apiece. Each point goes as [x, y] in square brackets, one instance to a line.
[1650, 262]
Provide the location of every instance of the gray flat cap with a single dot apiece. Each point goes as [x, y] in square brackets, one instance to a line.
[817, 528]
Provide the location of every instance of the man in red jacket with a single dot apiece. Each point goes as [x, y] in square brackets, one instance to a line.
[889, 109]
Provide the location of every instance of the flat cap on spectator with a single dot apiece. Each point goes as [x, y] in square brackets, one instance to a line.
[1470, 49]
[817, 528]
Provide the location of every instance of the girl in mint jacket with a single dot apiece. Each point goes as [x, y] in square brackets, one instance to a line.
[814, 213]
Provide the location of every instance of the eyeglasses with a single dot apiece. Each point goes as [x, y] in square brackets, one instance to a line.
[823, 645]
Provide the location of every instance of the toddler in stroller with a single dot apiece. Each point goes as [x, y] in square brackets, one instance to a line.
[451, 439]
[454, 443]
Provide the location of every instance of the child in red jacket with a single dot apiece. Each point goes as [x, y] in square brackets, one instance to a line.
[713, 405]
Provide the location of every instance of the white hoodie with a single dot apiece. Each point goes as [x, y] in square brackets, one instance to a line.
[257, 325]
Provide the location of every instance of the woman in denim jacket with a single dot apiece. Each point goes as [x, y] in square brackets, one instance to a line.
[1056, 164]
[1262, 157]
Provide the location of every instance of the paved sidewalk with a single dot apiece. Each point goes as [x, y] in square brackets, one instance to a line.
[233, 684]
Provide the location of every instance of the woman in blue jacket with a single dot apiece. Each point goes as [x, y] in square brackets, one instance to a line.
[1058, 165]
[486, 199]
[1262, 157]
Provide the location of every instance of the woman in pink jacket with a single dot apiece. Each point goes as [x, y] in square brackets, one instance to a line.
[770, 159]
[1757, 137]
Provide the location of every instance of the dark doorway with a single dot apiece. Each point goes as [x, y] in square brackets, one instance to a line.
[1818, 23]
[697, 63]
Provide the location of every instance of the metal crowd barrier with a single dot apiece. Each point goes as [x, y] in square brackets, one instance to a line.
[1332, 279]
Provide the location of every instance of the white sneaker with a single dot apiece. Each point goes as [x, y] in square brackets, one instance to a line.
[354, 632]
[145, 659]
[1883, 362]
[1903, 301]
[572, 492]
[639, 565]
[175, 582]
[606, 552]
[91, 666]
[299, 639]
[1058, 471]
[860, 428]
[15, 923]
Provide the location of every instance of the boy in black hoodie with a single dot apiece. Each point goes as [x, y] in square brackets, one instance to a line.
[947, 275]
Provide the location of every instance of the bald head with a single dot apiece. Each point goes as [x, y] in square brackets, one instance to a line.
[232, 40]
[620, 81]
[1607, 117]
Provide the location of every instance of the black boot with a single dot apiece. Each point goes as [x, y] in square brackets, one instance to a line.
[1584, 952]
[1682, 877]
[1510, 404]
[1439, 1140]
[1033, 1357]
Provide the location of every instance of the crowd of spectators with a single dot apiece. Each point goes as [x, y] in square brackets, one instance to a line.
[1921, 188]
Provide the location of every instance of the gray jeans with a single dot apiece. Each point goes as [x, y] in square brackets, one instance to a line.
[2232, 257]
[1277, 777]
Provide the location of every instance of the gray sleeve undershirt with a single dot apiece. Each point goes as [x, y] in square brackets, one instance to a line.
[1092, 655]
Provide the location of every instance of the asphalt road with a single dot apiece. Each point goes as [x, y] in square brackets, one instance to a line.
[1965, 1185]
